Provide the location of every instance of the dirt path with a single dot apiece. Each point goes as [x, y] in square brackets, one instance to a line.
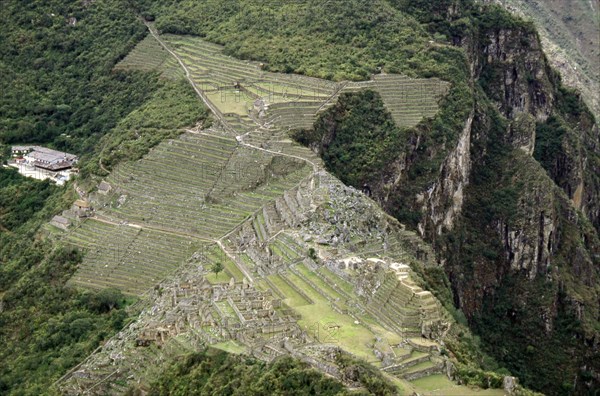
[216, 112]
[103, 219]
[219, 116]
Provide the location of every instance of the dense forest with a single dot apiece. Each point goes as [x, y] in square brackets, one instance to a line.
[45, 327]
[214, 372]
[56, 61]
[59, 89]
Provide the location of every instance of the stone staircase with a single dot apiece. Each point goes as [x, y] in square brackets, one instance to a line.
[404, 306]
[412, 363]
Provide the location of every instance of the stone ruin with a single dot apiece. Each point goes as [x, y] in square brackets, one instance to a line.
[188, 310]
[388, 289]
[234, 310]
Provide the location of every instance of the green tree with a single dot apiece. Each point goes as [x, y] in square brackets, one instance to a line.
[217, 267]
[312, 253]
[106, 300]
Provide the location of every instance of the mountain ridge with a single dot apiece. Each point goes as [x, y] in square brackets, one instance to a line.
[500, 180]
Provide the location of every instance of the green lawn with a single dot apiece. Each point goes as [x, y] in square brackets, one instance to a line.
[230, 269]
[223, 277]
[231, 347]
[319, 282]
[233, 269]
[293, 298]
[418, 367]
[230, 102]
[317, 319]
[341, 283]
[439, 384]
[262, 285]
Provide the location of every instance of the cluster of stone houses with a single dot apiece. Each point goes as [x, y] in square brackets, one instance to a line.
[79, 210]
[256, 317]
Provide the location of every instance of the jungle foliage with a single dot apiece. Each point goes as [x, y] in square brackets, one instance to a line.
[45, 327]
[57, 89]
[56, 59]
[173, 107]
[357, 137]
[214, 372]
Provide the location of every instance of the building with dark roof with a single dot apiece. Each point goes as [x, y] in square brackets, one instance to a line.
[45, 158]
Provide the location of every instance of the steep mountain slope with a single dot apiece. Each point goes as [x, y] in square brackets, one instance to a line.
[519, 242]
[313, 268]
[56, 58]
[489, 220]
[570, 33]
[500, 176]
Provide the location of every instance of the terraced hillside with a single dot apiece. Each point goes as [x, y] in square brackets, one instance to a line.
[237, 238]
[149, 55]
[126, 257]
[273, 289]
[198, 186]
[409, 100]
[247, 96]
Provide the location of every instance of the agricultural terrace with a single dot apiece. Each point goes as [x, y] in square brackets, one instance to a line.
[195, 186]
[189, 198]
[322, 304]
[409, 100]
[239, 88]
[129, 258]
[149, 55]
[200, 184]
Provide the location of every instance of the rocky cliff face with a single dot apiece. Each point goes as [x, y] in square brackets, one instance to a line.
[516, 75]
[511, 208]
[520, 253]
[514, 72]
[574, 161]
[531, 217]
[443, 202]
[569, 33]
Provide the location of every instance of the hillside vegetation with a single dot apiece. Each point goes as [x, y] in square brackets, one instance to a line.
[56, 61]
[45, 328]
[59, 89]
[494, 193]
[500, 176]
[217, 372]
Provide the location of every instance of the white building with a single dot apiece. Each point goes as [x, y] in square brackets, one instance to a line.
[43, 163]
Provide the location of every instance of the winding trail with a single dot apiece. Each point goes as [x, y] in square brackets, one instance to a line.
[216, 112]
[188, 77]
[104, 219]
